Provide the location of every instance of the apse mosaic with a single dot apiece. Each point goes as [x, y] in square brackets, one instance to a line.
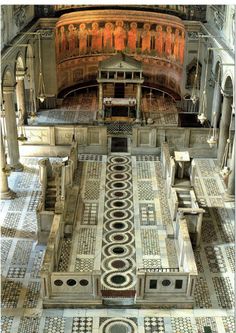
[83, 41]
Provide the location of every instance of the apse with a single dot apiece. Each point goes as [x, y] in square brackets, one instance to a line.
[83, 39]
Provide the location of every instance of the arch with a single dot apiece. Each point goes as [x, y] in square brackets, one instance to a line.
[190, 73]
[228, 83]
[218, 72]
[30, 79]
[29, 64]
[8, 78]
[20, 65]
[217, 63]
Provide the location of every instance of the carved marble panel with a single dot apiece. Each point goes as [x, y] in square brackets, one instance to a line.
[63, 135]
[37, 135]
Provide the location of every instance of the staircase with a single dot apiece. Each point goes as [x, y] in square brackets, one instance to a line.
[184, 199]
[50, 198]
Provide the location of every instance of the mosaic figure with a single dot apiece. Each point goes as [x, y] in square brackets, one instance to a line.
[181, 47]
[159, 40]
[71, 37]
[132, 36]
[96, 37]
[146, 38]
[176, 44]
[168, 41]
[63, 39]
[82, 34]
[120, 36]
[107, 36]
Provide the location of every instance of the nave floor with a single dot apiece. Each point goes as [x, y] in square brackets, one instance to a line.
[21, 258]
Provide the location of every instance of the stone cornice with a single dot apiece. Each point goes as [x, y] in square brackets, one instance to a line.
[23, 37]
[118, 14]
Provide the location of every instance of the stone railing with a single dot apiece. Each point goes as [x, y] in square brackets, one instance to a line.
[57, 140]
[165, 287]
[149, 139]
[60, 174]
[66, 288]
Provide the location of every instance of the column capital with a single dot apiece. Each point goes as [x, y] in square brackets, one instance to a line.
[226, 93]
[8, 89]
[20, 74]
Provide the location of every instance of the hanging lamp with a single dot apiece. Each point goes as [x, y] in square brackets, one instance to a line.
[224, 169]
[22, 137]
[41, 87]
[203, 106]
[33, 113]
[3, 121]
[194, 97]
[212, 138]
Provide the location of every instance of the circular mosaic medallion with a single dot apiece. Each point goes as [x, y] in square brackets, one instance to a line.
[118, 185]
[118, 160]
[121, 225]
[119, 214]
[119, 264]
[120, 280]
[119, 237]
[119, 194]
[121, 250]
[118, 325]
[117, 203]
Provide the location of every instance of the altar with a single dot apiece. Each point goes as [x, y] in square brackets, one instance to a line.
[119, 107]
[119, 81]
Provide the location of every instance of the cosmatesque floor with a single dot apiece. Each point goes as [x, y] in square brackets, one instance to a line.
[21, 256]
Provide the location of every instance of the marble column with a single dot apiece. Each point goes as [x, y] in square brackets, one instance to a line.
[230, 193]
[216, 105]
[100, 100]
[224, 126]
[138, 101]
[11, 129]
[20, 96]
[5, 192]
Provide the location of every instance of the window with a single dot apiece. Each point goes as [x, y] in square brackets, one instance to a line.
[153, 284]
[58, 283]
[178, 284]
[166, 283]
[71, 282]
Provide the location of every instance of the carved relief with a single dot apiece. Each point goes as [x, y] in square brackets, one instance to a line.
[63, 136]
[38, 137]
[198, 139]
[219, 20]
[19, 15]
